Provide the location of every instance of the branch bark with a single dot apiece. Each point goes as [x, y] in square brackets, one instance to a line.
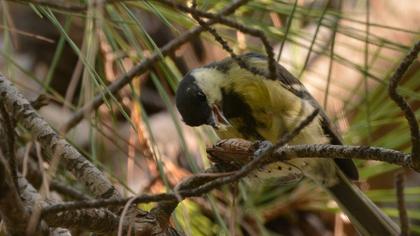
[93, 220]
[53, 145]
[203, 184]
[404, 106]
[12, 210]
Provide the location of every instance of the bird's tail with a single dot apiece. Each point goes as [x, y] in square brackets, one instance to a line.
[366, 217]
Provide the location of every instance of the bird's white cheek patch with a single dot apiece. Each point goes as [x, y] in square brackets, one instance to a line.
[210, 80]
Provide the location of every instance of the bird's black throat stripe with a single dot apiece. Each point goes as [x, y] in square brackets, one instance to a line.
[239, 112]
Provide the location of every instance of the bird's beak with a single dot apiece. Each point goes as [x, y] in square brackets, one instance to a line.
[218, 119]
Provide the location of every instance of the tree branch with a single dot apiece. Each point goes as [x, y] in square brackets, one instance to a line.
[217, 18]
[53, 145]
[34, 175]
[404, 106]
[94, 220]
[9, 130]
[12, 210]
[195, 187]
[280, 154]
[342, 152]
[142, 67]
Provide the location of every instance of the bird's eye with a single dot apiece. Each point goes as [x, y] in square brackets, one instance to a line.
[201, 96]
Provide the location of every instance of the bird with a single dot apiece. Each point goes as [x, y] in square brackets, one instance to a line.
[235, 97]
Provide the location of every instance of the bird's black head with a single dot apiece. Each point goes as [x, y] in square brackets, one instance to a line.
[192, 103]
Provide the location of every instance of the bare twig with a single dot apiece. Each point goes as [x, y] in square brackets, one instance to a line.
[264, 150]
[122, 216]
[341, 151]
[225, 21]
[402, 210]
[143, 66]
[191, 187]
[405, 107]
[289, 136]
[226, 47]
[280, 154]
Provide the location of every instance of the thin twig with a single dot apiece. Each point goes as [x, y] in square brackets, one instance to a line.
[227, 48]
[402, 210]
[122, 216]
[280, 154]
[142, 67]
[289, 136]
[340, 152]
[405, 107]
[244, 29]
[264, 151]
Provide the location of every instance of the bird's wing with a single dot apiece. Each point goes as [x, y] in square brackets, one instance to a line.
[296, 87]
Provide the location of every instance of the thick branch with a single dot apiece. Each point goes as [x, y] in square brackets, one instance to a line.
[53, 145]
[9, 131]
[94, 220]
[11, 207]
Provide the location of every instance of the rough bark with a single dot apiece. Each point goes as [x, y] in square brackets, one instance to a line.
[94, 220]
[12, 211]
[53, 145]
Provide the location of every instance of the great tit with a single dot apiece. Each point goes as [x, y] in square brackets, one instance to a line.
[239, 103]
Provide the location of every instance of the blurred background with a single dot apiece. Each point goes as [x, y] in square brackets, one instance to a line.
[343, 51]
